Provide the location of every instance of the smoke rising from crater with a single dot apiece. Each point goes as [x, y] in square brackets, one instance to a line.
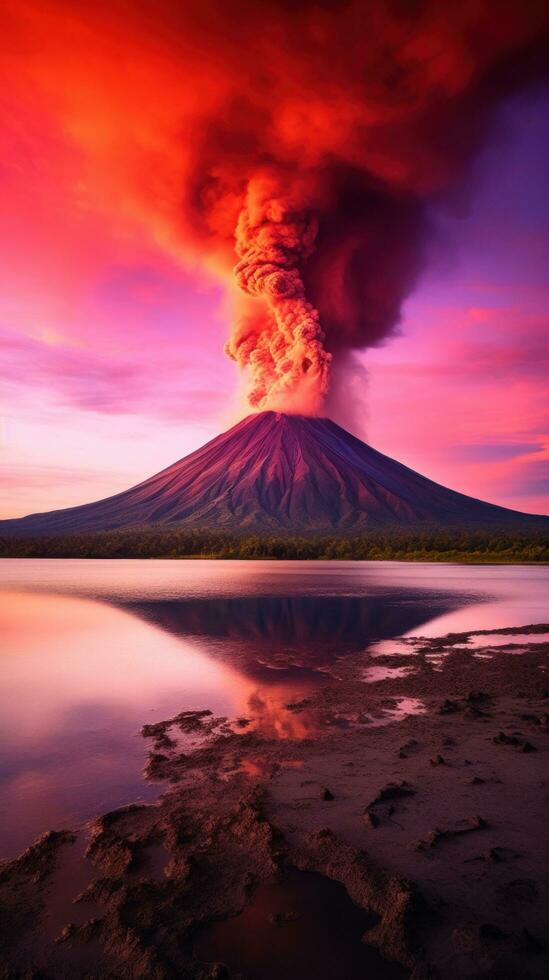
[292, 150]
[286, 356]
[347, 119]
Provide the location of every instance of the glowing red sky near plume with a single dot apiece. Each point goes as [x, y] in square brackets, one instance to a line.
[323, 188]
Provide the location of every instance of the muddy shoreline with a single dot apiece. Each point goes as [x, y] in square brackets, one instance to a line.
[422, 791]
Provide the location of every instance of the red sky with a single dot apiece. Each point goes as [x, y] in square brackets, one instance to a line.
[112, 326]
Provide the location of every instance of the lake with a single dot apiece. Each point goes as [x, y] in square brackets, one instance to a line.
[92, 650]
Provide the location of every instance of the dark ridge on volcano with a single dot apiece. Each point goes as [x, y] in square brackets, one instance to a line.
[277, 473]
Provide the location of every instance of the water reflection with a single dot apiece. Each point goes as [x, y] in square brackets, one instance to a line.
[271, 636]
[284, 647]
[92, 650]
[79, 678]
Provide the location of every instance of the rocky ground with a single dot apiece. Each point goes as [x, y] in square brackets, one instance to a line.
[422, 790]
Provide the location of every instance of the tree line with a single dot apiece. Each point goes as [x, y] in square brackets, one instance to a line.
[427, 544]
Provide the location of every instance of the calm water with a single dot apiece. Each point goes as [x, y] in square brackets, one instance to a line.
[91, 650]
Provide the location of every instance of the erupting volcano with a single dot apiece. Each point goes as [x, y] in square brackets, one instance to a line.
[292, 153]
[277, 473]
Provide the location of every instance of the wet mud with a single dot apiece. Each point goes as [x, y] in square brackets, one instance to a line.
[386, 843]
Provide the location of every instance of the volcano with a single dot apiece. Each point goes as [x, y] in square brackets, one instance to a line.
[277, 473]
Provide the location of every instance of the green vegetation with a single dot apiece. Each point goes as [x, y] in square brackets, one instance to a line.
[428, 544]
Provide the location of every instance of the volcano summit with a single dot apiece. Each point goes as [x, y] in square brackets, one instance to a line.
[277, 473]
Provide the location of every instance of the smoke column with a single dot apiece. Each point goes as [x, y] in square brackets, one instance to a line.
[286, 355]
[291, 149]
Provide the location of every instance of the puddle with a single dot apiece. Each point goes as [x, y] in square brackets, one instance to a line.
[373, 674]
[506, 639]
[304, 926]
[72, 876]
[403, 647]
[408, 646]
[403, 708]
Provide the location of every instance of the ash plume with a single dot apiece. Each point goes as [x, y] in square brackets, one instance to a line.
[286, 355]
[290, 149]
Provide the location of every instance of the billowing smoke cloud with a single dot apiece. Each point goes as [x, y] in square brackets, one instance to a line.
[286, 356]
[293, 149]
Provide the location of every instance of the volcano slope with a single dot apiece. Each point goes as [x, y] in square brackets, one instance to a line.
[277, 473]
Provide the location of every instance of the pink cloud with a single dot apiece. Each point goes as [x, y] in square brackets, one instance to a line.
[463, 398]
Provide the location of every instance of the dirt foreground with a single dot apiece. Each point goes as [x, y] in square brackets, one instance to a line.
[421, 791]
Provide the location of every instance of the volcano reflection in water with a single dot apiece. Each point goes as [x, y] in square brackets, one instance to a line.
[294, 636]
[282, 647]
[86, 662]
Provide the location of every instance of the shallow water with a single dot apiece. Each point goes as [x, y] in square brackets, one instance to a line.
[304, 926]
[92, 650]
[505, 640]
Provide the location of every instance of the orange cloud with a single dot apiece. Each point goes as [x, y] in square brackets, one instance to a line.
[348, 117]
